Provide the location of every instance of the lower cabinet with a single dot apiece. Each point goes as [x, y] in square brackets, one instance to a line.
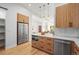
[46, 44]
[35, 44]
[35, 41]
[75, 49]
[55, 46]
[62, 47]
[43, 43]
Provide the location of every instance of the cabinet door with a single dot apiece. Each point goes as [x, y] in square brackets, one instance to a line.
[58, 47]
[22, 18]
[46, 44]
[59, 17]
[62, 47]
[35, 41]
[42, 44]
[49, 47]
[26, 19]
[19, 18]
[76, 15]
[74, 49]
[66, 49]
[35, 44]
[71, 15]
[67, 16]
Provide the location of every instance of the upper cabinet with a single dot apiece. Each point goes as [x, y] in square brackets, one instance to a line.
[22, 18]
[67, 16]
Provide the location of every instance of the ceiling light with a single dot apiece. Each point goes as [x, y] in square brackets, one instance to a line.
[29, 5]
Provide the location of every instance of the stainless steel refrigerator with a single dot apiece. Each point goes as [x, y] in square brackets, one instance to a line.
[23, 33]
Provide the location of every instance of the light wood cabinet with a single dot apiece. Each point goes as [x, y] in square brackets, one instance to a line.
[46, 44]
[35, 44]
[55, 46]
[26, 19]
[59, 17]
[67, 16]
[22, 18]
[19, 18]
[75, 49]
[50, 45]
[35, 41]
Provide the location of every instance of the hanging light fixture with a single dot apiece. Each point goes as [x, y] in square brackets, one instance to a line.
[48, 10]
[40, 11]
[44, 11]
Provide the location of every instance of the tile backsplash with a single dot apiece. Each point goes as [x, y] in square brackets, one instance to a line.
[69, 32]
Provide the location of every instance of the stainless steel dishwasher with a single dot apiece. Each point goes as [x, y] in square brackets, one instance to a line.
[62, 47]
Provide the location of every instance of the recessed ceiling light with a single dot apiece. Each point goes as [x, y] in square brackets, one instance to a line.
[29, 5]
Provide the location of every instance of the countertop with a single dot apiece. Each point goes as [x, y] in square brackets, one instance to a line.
[75, 39]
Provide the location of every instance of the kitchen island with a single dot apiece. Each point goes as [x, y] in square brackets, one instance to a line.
[56, 45]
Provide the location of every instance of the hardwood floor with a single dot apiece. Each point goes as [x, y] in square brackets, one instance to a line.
[23, 49]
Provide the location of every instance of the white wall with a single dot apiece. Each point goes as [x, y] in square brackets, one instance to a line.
[11, 23]
[36, 21]
[48, 23]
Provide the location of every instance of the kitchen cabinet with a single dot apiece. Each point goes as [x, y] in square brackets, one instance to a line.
[67, 16]
[35, 41]
[75, 49]
[61, 14]
[19, 18]
[55, 46]
[22, 18]
[26, 19]
[46, 44]
[43, 43]
[50, 45]
[62, 47]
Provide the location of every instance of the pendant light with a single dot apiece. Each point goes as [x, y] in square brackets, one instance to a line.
[40, 11]
[48, 10]
[44, 11]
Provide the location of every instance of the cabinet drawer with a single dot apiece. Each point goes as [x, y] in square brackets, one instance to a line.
[41, 47]
[35, 44]
[49, 40]
[43, 38]
[49, 44]
[41, 43]
[49, 50]
[46, 49]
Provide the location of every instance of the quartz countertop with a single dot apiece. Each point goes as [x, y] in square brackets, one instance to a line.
[75, 39]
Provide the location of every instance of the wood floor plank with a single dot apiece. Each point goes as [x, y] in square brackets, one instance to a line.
[23, 49]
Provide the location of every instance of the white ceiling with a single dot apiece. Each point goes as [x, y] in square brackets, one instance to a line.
[35, 8]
